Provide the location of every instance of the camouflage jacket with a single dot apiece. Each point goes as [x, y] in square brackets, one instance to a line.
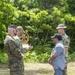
[66, 42]
[12, 48]
[19, 42]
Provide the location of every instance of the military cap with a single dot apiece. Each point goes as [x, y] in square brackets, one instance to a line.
[61, 26]
[58, 36]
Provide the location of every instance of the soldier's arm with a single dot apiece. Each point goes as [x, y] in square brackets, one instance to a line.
[15, 50]
[66, 43]
[24, 50]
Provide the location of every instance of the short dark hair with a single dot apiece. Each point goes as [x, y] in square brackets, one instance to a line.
[12, 26]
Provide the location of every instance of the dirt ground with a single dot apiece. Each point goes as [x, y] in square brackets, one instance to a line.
[38, 69]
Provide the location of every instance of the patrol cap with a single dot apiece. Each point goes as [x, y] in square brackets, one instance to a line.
[61, 26]
[58, 36]
[19, 27]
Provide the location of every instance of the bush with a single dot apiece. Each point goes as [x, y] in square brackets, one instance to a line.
[38, 54]
[71, 57]
[3, 57]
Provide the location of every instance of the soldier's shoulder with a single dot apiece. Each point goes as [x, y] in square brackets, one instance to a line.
[66, 36]
[16, 37]
[7, 39]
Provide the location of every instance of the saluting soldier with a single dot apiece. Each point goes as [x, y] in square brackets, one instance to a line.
[66, 41]
[15, 56]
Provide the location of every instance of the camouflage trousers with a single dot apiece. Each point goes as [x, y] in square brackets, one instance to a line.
[65, 69]
[16, 67]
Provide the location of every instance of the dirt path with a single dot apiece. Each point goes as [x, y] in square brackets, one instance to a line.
[38, 69]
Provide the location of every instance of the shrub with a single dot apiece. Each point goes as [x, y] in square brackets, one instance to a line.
[38, 54]
[71, 57]
[3, 57]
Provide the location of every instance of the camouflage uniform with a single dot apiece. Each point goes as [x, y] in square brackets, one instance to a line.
[66, 42]
[13, 50]
[19, 42]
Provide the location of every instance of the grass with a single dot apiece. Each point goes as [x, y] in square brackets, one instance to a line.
[38, 69]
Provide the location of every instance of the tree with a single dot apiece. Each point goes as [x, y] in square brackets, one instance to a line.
[8, 15]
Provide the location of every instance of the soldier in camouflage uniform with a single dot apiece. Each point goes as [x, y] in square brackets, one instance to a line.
[25, 49]
[15, 56]
[66, 42]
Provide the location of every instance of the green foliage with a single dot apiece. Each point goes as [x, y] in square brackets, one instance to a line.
[39, 54]
[7, 15]
[71, 6]
[2, 33]
[3, 57]
[40, 18]
[71, 57]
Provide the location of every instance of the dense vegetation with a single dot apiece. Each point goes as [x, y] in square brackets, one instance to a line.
[40, 18]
